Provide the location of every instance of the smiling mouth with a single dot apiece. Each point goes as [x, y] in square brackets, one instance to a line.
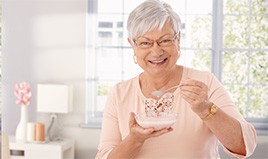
[157, 62]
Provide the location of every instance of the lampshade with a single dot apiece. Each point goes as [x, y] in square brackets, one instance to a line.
[54, 98]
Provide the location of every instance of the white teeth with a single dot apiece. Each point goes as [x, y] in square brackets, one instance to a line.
[158, 61]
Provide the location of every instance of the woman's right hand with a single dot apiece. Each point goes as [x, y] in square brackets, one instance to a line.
[140, 134]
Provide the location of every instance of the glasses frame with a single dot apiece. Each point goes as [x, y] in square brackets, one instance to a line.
[158, 42]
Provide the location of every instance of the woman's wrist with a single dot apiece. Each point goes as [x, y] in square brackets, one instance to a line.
[211, 112]
[134, 140]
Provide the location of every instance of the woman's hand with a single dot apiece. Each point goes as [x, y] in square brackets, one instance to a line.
[140, 134]
[196, 94]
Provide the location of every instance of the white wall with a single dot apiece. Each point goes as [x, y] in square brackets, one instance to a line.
[44, 41]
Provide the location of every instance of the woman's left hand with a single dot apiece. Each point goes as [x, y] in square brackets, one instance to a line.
[196, 94]
[140, 134]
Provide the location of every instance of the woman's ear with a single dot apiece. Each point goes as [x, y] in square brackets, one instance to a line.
[179, 38]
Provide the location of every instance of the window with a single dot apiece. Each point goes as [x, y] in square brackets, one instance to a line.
[244, 58]
[245, 44]
[220, 36]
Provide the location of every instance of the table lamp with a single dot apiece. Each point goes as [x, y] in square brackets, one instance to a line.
[54, 99]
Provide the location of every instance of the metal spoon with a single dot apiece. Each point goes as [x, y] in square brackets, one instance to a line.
[161, 92]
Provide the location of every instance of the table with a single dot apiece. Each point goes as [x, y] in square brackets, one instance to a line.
[51, 150]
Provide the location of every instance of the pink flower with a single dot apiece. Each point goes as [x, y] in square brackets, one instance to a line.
[23, 92]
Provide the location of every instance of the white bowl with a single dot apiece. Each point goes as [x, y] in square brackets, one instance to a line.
[158, 123]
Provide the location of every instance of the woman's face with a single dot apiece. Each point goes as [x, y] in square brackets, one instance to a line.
[157, 51]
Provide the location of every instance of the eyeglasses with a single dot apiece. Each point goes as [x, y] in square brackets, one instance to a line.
[145, 43]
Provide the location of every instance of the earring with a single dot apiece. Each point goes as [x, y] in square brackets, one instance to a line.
[135, 59]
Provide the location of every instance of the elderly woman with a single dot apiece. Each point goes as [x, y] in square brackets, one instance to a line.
[206, 112]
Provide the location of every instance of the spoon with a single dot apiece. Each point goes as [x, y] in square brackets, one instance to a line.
[161, 92]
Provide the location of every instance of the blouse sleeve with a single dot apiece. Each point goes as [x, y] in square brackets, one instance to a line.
[222, 99]
[110, 135]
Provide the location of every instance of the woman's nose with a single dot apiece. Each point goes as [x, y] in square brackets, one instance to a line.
[156, 50]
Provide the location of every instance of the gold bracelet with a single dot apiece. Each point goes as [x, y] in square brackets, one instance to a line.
[212, 112]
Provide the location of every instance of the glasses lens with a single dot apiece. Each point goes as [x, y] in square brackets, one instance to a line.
[165, 42]
[144, 43]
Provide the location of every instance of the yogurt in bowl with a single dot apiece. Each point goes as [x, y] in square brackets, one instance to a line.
[157, 122]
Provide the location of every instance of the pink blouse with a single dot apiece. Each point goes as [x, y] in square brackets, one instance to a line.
[190, 138]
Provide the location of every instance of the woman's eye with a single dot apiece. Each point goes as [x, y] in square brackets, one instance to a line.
[165, 41]
[145, 43]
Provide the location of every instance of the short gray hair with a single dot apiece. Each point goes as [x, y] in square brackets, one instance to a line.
[150, 15]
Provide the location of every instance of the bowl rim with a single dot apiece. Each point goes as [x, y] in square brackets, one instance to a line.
[139, 116]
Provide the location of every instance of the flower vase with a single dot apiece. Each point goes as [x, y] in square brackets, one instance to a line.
[21, 131]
